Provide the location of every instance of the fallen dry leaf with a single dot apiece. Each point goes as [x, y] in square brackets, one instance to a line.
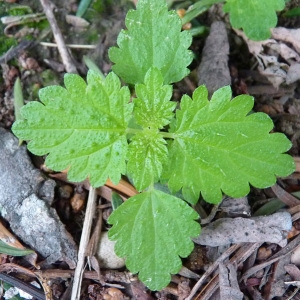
[269, 54]
[272, 229]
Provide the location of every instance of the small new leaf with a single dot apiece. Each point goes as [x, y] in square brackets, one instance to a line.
[253, 16]
[219, 147]
[152, 230]
[153, 39]
[153, 107]
[147, 154]
[82, 127]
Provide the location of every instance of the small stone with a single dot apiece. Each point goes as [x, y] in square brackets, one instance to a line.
[106, 253]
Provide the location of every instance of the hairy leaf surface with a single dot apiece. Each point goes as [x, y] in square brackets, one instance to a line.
[153, 107]
[153, 39]
[219, 147]
[146, 156]
[255, 17]
[152, 230]
[82, 127]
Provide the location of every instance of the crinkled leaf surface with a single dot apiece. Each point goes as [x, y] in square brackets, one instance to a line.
[146, 156]
[219, 147]
[153, 107]
[255, 17]
[153, 39]
[152, 230]
[82, 127]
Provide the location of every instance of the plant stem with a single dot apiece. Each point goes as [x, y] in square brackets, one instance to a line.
[168, 135]
[197, 9]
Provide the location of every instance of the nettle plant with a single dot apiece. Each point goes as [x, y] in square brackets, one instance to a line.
[205, 147]
[254, 17]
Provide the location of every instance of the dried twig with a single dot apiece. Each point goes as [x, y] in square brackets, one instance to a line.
[84, 240]
[280, 254]
[237, 259]
[76, 46]
[284, 196]
[211, 269]
[65, 55]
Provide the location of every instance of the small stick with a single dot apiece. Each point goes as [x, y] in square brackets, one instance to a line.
[84, 240]
[26, 287]
[63, 51]
[46, 44]
[284, 196]
[211, 269]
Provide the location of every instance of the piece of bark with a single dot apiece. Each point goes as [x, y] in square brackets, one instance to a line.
[30, 217]
[229, 288]
[213, 70]
[275, 286]
[272, 229]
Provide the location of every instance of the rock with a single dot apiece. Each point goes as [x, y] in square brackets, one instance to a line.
[106, 253]
[31, 218]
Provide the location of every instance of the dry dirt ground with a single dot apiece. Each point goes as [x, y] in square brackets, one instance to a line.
[226, 263]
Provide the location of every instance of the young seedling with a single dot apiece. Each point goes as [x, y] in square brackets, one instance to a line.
[205, 147]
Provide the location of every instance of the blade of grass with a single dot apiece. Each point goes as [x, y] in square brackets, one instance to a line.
[6, 249]
[18, 101]
[92, 66]
[82, 8]
[295, 12]
[18, 98]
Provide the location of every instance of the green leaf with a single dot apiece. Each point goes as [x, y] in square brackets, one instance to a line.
[294, 12]
[218, 147]
[116, 200]
[153, 39]
[255, 17]
[146, 156]
[152, 230]
[82, 127]
[153, 107]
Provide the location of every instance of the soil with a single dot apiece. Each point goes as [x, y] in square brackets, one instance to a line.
[257, 270]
